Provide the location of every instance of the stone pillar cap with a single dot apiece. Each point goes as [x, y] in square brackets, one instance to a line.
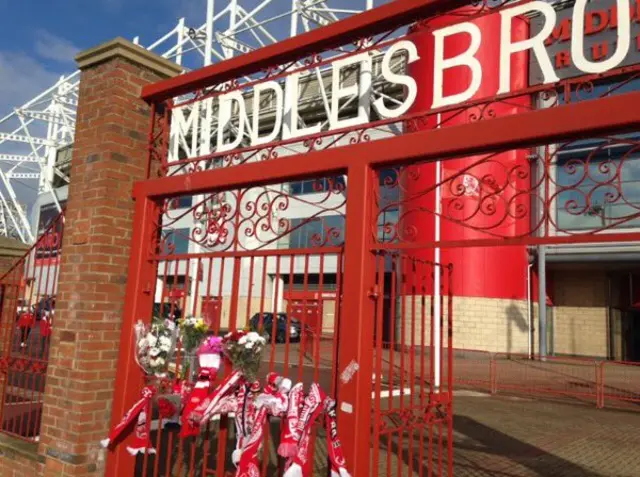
[119, 47]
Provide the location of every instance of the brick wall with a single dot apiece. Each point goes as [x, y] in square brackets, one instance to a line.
[579, 319]
[485, 324]
[580, 314]
[110, 153]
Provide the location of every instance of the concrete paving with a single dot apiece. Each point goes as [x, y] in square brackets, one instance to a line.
[502, 437]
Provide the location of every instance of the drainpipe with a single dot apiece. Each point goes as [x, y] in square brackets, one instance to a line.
[542, 301]
[529, 330]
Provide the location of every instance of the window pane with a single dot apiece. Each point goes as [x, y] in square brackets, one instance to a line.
[595, 191]
[295, 188]
[387, 218]
[315, 232]
[177, 241]
[185, 202]
[316, 186]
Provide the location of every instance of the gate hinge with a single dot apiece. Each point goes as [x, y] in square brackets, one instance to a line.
[147, 289]
[374, 292]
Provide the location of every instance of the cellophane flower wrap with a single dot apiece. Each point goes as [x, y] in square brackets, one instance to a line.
[210, 354]
[193, 331]
[244, 350]
[155, 346]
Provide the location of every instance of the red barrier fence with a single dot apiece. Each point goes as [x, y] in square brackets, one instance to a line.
[592, 381]
[27, 305]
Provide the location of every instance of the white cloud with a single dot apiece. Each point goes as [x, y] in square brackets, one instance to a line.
[53, 47]
[21, 78]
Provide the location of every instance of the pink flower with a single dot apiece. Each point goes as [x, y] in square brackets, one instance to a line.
[213, 344]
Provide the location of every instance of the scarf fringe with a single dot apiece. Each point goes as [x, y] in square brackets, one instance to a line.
[294, 471]
[140, 450]
[287, 449]
[342, 472]
[235, 457]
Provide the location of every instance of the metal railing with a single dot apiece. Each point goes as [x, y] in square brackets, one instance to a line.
[27, 317]
[597, 382]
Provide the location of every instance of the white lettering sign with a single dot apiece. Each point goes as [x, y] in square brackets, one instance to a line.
[464, 59]
[350, 81]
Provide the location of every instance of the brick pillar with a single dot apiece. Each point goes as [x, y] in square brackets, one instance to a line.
[110, 154]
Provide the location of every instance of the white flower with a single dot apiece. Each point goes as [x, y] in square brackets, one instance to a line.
[262, 341]
[158, 362]
[170, 325]
[253, 336]
[228, 335]
[242, 340]
[165, 341]
[165, 348]
[152, 340]
[142, 343]
[154, 352]
[249, 345]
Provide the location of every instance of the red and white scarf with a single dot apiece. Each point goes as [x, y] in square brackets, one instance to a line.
[245, 417]
[301, 465]
[141, 411]
[249, 465]
[190, 419]
[290, 435]
[336, 456]
[206, 409]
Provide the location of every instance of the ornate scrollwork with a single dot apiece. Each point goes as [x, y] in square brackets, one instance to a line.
[555, 190]
[258, 217]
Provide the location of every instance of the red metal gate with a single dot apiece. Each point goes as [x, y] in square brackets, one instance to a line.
[29, 290]
[413, 363]
[390, 365]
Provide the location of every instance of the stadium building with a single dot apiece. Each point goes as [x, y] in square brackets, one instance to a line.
[592, 292]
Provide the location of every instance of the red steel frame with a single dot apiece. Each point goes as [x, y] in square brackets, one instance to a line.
[25, 368]
[604, 116]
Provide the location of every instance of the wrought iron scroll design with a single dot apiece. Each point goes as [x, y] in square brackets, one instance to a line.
[518, 194]
[256, 218]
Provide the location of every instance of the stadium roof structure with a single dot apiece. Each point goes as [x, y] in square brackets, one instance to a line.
[36, 137]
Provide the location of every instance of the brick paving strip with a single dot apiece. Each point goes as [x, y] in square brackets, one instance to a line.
[520, 438]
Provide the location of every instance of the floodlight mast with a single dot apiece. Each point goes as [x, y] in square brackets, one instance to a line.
[32, 134]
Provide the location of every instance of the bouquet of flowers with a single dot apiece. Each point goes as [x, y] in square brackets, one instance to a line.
[192, 333]
[155, 346]
[244, 350]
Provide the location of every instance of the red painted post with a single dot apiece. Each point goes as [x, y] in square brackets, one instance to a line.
[356, 328]
[138, 305]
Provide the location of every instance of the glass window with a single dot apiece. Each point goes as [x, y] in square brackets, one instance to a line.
[386, 223]
[598, 181]
[315, 186]
[619, 86]
[309, 233]
[183, 202]
[598, 190]
[176, 241]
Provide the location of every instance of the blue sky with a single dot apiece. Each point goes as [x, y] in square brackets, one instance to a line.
[38, 38]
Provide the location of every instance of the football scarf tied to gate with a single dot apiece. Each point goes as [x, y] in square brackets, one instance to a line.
[141, 411]
[241, 394]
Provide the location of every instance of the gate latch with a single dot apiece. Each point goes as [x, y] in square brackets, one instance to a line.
[374, 292]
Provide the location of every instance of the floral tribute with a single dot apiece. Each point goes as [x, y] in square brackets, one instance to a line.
[155, 345]
[241, 394]
[192, 333]
[244, 350]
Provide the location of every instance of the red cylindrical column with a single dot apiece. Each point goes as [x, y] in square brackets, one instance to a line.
[481, 197]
